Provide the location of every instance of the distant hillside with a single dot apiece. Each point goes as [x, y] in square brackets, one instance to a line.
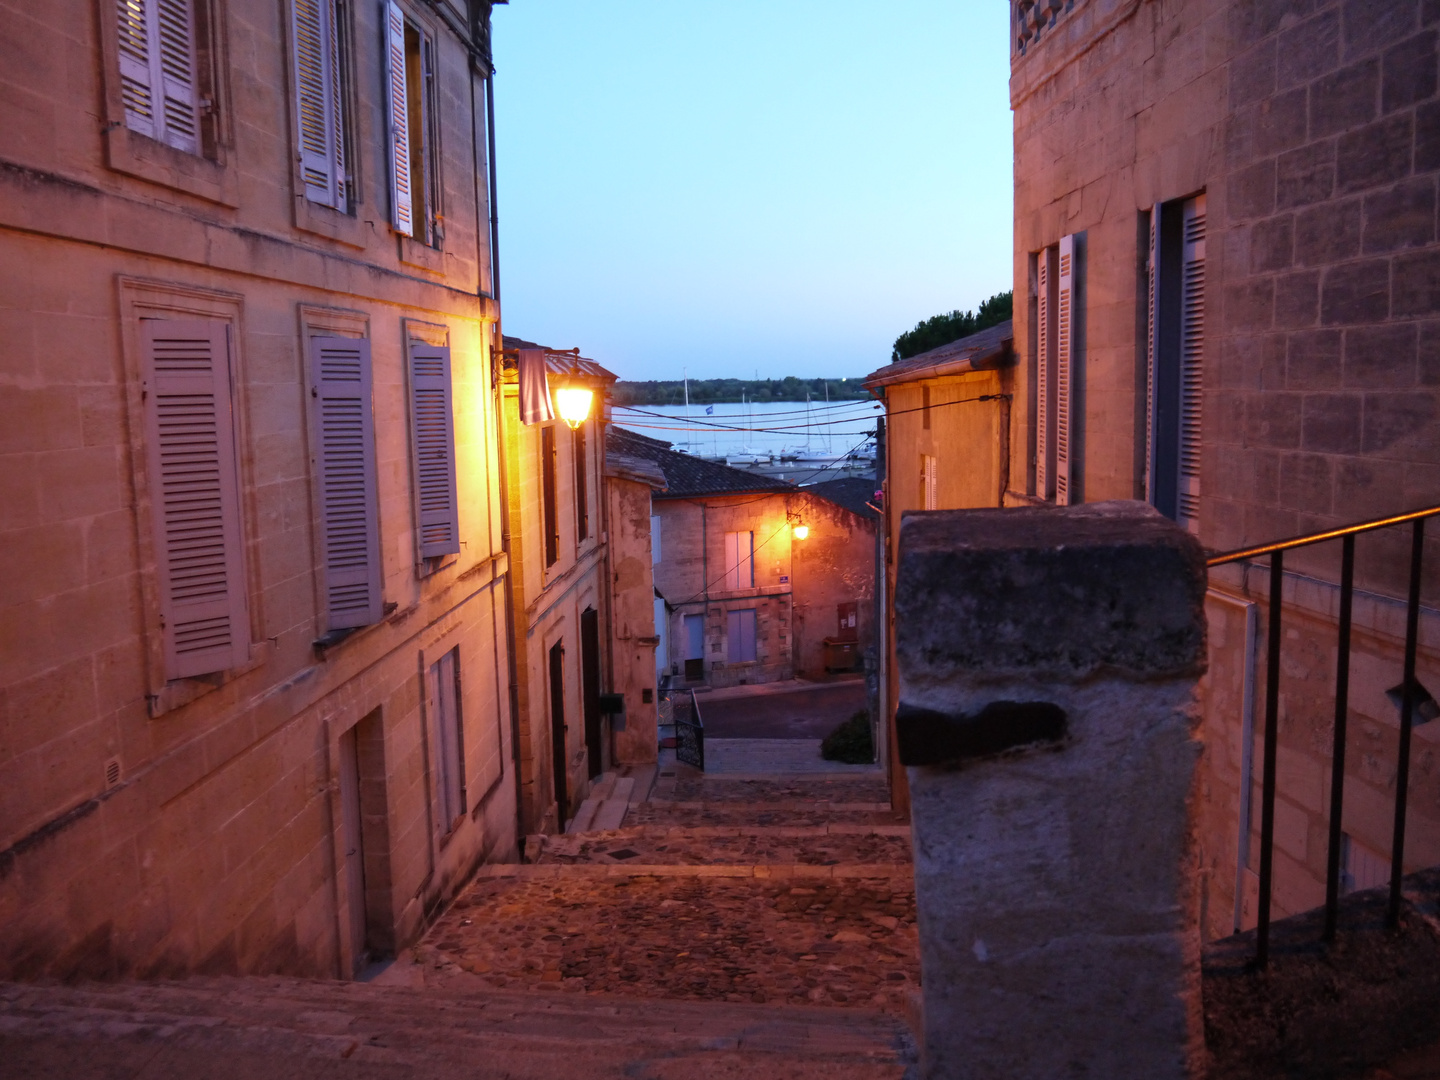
[717, 391]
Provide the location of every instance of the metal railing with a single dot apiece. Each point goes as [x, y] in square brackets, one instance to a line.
[1409, 700]
[679, 709]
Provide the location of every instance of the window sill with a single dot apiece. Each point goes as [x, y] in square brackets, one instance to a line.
[331, 223]
[178, 693]
[138, 155]
[421, 256]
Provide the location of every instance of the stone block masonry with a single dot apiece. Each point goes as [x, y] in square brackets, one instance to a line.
[1048, 661]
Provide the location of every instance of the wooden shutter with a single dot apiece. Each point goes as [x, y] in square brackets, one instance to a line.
[739, 560]
[1065, 372]
[344, 424]
[1152, 350]
[929, 482]
[398, 122]
[195, 495]
[655, 555]
[740, 635]
[433, 428]
[1045, 377]
[732, 560]
[1192, 358]
[315, 37]
[444, 703]
[157, 70]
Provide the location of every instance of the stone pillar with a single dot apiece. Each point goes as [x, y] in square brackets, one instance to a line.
[1048, 660]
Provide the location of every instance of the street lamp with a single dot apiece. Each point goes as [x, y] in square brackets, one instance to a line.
[801, 531]
[572, 401]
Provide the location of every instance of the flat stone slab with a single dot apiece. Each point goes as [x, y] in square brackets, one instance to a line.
[660, 845]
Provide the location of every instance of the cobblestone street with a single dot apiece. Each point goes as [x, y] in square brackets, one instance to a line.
[793, 890]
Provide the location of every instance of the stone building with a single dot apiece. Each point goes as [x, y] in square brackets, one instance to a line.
[576, 572]
[948, 422]
[1227, 285]
[760, 580]
[253, 661]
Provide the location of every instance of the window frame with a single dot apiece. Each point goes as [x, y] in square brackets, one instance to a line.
[210, 174]
[143, 298]
[345, 226]
[425, 249]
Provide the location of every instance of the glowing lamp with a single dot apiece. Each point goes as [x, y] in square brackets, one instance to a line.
[572, 401]
[802, 531]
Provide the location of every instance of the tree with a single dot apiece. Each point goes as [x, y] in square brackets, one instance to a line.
[940, 330]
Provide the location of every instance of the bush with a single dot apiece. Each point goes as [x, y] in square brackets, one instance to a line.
[850, 742]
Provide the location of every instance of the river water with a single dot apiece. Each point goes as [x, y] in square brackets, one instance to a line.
[800, 440]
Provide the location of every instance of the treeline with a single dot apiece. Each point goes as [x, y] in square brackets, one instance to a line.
[942, 329]
[718, 391]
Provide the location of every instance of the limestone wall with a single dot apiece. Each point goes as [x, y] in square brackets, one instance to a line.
[156, 827]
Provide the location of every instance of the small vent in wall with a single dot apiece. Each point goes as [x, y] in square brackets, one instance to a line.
[112, 772]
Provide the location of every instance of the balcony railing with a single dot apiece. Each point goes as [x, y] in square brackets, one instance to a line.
[1410, 699]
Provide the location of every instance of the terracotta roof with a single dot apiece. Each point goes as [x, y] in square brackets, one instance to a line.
[687, 475]
[990, 348]
[559, 361]
[851, 492]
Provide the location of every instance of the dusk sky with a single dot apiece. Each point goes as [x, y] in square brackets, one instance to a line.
[741, 186]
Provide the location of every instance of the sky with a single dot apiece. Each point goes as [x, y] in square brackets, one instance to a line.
[742, 187]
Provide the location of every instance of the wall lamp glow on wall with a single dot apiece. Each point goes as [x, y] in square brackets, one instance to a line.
[797, 525]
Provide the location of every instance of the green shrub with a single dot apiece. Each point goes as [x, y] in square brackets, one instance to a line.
[850, 742]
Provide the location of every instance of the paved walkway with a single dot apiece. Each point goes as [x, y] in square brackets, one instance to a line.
[754, 890]
[770, 756]
[793, 709]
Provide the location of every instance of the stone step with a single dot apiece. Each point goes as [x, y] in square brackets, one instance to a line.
[264, 1027]
[603, 786]
[584, 816]
[611, 813]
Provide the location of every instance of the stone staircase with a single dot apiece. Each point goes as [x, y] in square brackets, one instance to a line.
[264, 1028]
[609, 800]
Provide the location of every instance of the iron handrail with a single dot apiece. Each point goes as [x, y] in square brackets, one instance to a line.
[1315, 538]
[1276, 551]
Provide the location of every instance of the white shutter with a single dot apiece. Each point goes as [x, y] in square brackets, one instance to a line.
[1065, 372]
[732, 560]
[655, 555]
[1045, 377]
[340, 394]
[317, 101]
[135, 19]
[433, 430]
[930, 481]
[398, 121]
[1192, 357]
[195, 494]
[1152, 350]
[157, 70]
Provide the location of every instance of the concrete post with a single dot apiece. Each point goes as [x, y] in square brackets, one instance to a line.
[1048, 660]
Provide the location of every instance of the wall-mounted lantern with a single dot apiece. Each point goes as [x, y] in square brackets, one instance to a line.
[572, 401]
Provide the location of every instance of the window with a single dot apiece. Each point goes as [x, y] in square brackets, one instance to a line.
[159, 72]
[1055, 370]
[413, 132]
[318, 41]
[548, 482]
[1175, 345]
[739, 560]
[929, 482]
[195, 495]
[344, 452]
[655, 540]
[443, 694]
[432, 429]
[741, 635]
[581, 450]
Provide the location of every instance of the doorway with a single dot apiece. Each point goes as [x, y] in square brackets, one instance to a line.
[590, 689]
[694, 648]
[557, 730]
[364, 863]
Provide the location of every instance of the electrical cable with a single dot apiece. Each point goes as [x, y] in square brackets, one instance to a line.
[803, 427]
